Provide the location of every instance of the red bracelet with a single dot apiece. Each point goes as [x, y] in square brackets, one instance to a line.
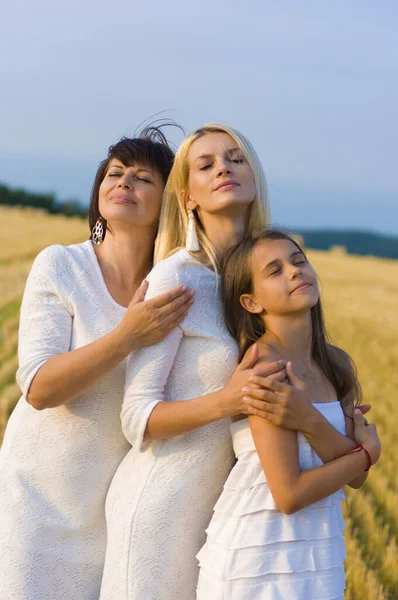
[358, 449]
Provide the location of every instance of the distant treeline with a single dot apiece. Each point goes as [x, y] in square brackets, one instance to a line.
[48, 202]
[354, 242]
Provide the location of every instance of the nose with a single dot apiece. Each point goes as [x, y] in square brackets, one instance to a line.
[124, 182]
[223, 168]
[295, 271]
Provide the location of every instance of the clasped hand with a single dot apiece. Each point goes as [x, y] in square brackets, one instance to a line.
[272, 391]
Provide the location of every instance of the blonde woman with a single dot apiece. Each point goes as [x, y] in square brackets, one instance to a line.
[181, 392]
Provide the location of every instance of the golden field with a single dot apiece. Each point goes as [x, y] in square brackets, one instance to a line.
[360, 298]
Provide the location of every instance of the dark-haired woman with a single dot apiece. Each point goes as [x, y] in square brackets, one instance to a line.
[82, 314]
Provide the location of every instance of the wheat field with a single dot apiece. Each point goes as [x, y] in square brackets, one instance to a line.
[360, 296]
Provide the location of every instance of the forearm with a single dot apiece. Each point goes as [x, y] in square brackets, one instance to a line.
[325, 439]
[313, 485]
[330, 444]
[169, 419]
[64, 377]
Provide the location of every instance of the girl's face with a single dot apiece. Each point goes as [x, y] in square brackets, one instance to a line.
[283, 280]
[131, 195]
[220, 178]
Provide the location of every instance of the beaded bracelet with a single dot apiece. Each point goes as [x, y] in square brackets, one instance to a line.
[358, 449]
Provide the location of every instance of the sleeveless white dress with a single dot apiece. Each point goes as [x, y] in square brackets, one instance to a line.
[163, 493]
[255, 552]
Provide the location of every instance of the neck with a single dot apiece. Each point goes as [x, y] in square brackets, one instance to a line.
[290, 334]
[127, 254]
[225, 231]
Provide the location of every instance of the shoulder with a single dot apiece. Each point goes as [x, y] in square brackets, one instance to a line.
[59, 263]
[266, 353]
[57, 253]
[178, 269]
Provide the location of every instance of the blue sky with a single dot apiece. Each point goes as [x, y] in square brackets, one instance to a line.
[312, 84]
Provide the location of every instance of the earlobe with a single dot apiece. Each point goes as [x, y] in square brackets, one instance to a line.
[249, 304]
[190, 204]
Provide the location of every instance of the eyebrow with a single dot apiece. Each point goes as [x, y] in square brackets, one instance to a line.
[278, 260]
[114, 166]
[227, 152]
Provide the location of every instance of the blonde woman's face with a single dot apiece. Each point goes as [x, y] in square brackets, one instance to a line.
[220, 178]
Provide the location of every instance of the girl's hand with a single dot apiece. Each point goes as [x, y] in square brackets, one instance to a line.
[287, 405]
[366, 435]
[146, 322]
[232, 401]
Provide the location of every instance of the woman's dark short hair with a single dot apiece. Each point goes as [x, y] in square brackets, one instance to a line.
[150, 148]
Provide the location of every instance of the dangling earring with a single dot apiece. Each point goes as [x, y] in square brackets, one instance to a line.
[191, 242]
[98, 232]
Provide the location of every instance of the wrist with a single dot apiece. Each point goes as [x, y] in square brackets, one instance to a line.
[363, 453]
[372, 452]
[223, 404]
[123, 344]
[313, 421]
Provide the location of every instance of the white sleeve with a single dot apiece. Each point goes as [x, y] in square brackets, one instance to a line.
[148, 369]
[45, 321]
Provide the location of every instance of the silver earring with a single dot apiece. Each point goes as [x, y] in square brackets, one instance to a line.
[98, 232]
[191, 243]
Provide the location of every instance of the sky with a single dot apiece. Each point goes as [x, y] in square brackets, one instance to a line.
[312, 84]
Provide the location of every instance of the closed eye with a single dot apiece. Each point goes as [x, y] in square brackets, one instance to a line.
[205, 167]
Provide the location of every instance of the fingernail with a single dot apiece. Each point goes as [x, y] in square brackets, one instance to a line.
[192, 292]
[246, 399]
[357, 411]
[252, 378]
[183, 288]
[245, 389]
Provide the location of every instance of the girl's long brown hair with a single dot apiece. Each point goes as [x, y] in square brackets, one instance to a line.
[247, 328]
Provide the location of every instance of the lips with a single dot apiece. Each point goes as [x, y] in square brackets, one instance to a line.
[303, 286]
[227, 184]
[122, 199]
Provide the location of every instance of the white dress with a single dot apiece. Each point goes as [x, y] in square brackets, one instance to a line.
[161, 498]
[255, 552]
[56, 465]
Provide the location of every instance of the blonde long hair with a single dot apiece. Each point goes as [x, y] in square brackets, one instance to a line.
[173, 224]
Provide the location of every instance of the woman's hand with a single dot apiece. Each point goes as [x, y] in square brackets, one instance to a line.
[232, 401]
[366, 435]
[146, 322]
[287, 405]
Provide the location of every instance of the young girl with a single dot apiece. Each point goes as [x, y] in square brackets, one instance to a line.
[277, 527]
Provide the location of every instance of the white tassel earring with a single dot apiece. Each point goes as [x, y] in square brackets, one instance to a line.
[191, 243]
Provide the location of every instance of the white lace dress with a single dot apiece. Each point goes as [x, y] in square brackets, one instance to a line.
[255, 552]
[161, 498]
[56, 465]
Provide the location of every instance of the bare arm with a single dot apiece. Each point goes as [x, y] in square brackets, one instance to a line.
[293, 489]
[290, 407]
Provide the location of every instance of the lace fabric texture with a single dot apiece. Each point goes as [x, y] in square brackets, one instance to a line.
[255, 552]
[161, 498]
[56, 465]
